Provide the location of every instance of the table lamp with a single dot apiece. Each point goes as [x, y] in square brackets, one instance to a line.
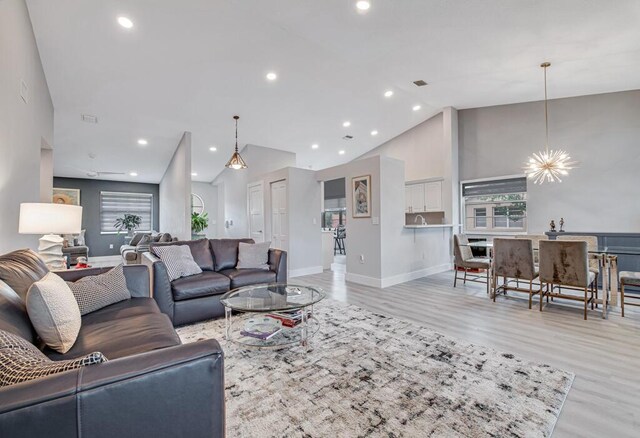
[51, 220]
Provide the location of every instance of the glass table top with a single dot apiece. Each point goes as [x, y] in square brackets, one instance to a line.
[271, 297]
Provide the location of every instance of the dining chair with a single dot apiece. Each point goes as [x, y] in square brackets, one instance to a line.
[463, 258]
[535, 241]
[594, 259]
[631, 279]
[513, 259]
[566, 264]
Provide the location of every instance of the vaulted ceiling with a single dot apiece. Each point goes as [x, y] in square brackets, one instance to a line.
[191, 65]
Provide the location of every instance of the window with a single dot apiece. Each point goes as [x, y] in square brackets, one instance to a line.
[504, 199]
[114, 205]
[480, 217]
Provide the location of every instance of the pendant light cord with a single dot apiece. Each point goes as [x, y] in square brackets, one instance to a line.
[236, 117]
[546, 112]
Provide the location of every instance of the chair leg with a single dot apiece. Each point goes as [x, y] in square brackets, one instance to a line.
[495, 286]
[585, 303]
[488, 288]
[622, 297]
[595, 287]
[530, 293]
[541, 295]
[464, 281]
[455, 275]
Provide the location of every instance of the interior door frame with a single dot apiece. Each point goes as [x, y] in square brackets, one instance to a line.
[249, 187]
[285, 181]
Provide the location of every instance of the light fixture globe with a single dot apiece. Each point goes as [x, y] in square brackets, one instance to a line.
[548, 165]
[236, 162]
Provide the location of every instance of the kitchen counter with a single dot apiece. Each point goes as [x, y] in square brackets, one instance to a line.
[429, 226]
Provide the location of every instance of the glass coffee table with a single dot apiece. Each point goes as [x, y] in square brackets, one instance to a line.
[271, 315]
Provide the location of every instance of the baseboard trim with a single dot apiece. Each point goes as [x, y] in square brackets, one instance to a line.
[403, 278]
[305, 271]
[363, 279]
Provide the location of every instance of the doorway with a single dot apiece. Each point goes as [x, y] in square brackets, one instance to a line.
[255, 205]
[279, 215]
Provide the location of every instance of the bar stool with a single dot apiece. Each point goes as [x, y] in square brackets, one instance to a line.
[631, 279]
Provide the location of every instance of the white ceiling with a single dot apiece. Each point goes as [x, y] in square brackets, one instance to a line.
[191, 65]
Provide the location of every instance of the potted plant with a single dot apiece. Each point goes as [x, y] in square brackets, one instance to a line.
[199, 222]
[128, 222]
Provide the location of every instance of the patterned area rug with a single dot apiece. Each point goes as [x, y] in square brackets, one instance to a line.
[371, 375]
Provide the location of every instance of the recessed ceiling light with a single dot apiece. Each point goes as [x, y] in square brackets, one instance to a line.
[314, 146]
[125, 22]
[133, 174]
[363, 5]
[346, 124]
[341, 152]
[143, 142]
[388, 93]
[194, 173]
[416, 107]
[374, 132]
[272, 76]
[213, 148]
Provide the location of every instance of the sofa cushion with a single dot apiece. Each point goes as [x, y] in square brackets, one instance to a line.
[94, 292]
[199, 250]
[21, 361]
[246, 277]
[178, 260]
[54, 312]
[225, 252]
[137, 238]
[20, 269]
[200, 285]
[121, 337]
[13, 314]
[121, 310]
[253, 255]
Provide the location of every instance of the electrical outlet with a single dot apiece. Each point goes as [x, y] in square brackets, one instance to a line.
[315, 221]
[111, 246]
[362, 258]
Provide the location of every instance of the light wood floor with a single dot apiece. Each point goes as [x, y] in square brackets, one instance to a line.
[604, 400]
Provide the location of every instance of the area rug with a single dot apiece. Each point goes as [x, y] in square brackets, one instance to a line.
[370, 375]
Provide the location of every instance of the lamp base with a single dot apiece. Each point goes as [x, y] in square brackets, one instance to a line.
[50, 251]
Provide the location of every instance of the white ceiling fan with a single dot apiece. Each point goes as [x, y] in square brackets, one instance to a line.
[96, 173]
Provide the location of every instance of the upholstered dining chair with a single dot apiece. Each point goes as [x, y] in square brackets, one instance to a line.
[535, 241]
[628, 278]
[513, 259]
[566, 264]
[594, 259]
[463, 258]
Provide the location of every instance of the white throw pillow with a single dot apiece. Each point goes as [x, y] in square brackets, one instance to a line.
[94, 292]
[54, 312]
[253, 255]
[178, 260]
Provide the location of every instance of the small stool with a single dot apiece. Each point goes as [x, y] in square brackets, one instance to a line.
[628, 278]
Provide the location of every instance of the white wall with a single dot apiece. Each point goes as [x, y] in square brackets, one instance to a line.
[232, 184]
[602, 132]
[46, 173]
[175, 192]
[209, 194]
[23, 126]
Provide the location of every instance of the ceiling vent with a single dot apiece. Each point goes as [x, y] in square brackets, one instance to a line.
[347, 137]
[89, 118]
[420, 83]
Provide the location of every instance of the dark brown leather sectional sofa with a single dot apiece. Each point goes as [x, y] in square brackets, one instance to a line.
[152, 386]
[197, 297]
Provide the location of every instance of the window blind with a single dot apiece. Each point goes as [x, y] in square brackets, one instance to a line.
[114, 205]
[495, 187]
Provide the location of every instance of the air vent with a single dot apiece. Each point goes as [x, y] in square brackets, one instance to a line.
[347, 137]
[89, 118]
[420, 83]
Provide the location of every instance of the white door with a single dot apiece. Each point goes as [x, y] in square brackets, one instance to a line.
[433, 196]
[255, 201]
[279, 215]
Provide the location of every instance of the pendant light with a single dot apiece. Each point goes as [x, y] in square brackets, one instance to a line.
[548, 165]
[236, 162]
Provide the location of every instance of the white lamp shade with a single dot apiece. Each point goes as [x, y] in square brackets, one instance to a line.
[43, 218]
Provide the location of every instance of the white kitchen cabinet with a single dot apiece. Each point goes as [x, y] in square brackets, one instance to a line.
[423, 197]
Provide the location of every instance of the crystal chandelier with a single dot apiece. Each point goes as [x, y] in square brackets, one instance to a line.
[548, 165]
[236, 162]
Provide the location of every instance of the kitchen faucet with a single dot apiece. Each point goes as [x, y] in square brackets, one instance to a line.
[424, 222]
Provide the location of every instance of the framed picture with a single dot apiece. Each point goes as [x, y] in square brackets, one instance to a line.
[66, 196]
[361, 191]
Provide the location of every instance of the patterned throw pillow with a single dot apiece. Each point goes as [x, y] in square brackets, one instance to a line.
[21, 361]
[94, 292]
[178, 260]
[253, 255]
[54, 312]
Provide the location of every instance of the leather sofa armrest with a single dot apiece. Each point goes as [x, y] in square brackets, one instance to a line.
[160, 284]
[137, 277]
[278, 263]
[176, 391]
